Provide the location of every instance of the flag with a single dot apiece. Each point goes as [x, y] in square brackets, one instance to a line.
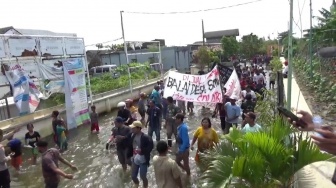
[232, 86]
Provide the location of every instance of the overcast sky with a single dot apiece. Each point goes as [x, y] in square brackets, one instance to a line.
[99, 20]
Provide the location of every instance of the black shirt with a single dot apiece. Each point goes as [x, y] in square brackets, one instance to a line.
[125, 114]
[32, 139]
[122, 131]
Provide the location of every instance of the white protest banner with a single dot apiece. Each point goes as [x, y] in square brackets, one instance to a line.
[51, 46]
[25, 93]
[74, 46]
[194, 88]
[22, 47]
[233, 89]
[76, 100]
[2, 48]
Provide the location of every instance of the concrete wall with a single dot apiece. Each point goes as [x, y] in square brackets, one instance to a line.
[178, 57]
[104, 102]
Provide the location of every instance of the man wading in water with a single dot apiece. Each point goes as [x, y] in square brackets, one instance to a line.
[50, 169]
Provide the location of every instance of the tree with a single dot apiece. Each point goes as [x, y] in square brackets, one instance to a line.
[202, 57]
[230, 46]
[251, 45]
[99, 46]
[325, 32]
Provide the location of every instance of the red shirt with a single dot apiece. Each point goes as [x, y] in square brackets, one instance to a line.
[243, 84]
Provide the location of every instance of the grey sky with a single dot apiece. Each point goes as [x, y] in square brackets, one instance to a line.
[99, 20]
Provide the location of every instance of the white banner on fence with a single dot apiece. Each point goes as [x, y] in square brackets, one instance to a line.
[2, 48]
[76, 100]
[233, 89]
[22, 47]
[51, 46]
[25, 93]
[74, 46]
[194, 88]
[53, 77]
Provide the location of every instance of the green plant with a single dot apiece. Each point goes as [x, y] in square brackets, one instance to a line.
[276, 64]
[105, 82]
[269, 158]
[266, 108]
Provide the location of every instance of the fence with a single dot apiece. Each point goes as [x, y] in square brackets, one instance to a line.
[280, 90]
[317, 76]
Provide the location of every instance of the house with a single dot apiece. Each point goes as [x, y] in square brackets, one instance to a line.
[15, 31]
[216, 36]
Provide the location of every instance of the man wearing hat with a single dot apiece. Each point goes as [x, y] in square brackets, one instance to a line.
[120, 132]
[139, 147]
[251, 126]
[232, 114]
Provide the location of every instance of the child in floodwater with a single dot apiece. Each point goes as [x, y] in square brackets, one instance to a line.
[31, 138]
[16, 155]
[94, 119]
[61, 137]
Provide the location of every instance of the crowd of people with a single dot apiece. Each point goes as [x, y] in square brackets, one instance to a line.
[134, 146]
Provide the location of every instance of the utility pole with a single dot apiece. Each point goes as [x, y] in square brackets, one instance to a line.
[311, 40]
[125, 49]
[290, 57]
[203, 39]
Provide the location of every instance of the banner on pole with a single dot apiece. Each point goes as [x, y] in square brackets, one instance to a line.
[26, 94]
[194, 88]
[233, 89]
[76, 100]
[224, 74]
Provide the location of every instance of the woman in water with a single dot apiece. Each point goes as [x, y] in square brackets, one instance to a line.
[205, 136]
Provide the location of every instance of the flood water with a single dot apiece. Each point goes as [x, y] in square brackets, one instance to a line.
[98, 167]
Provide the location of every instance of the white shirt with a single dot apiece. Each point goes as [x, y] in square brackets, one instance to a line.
[285, 70]
[252, 93]
[248, 129]
[3, 159]
[258, 77]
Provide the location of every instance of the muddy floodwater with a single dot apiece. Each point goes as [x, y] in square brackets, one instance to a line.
[98, 167]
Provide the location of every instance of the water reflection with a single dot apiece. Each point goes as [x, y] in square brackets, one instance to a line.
[98, 167]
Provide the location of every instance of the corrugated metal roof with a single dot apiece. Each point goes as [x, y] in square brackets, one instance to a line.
[219, 34]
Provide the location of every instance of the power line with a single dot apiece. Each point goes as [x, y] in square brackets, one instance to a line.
[195, 11]
[104, 42]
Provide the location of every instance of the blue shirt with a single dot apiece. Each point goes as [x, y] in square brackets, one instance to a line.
[154, 117]
[156, 97]
[183, 138]
[231, 112]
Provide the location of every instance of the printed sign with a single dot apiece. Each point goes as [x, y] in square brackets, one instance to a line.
[76, 100]
[25, 93]
[2, 48]
[51, 46]
[194, 88]
[74, 46]
[22, 47]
